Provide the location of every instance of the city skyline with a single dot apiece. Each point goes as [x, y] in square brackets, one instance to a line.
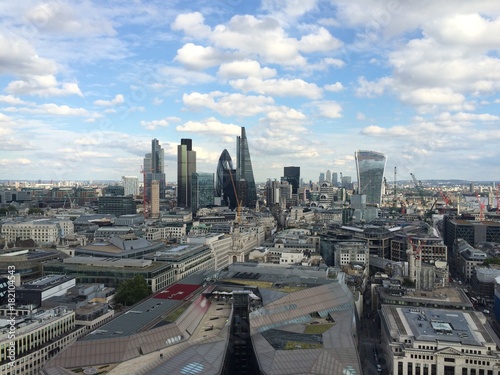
[84, 87]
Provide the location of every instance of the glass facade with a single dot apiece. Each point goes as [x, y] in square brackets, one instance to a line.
[244, 168]
[370, 166]
[154, 168]
[202, 190]
[186, 166]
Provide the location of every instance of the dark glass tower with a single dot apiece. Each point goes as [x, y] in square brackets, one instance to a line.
[186, 166]
[292, 175]
[154, 168]
[370, 166]
[244, 168]
[223, 186]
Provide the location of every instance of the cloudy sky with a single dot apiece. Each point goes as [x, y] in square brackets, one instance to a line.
[86, 85]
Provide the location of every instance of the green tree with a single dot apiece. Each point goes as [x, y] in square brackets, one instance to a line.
[494, 260]
[408, 283]
[132, 291]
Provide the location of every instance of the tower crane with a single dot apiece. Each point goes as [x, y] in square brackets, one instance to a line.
[419, 188]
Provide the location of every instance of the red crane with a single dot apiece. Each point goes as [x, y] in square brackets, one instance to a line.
[445, 198]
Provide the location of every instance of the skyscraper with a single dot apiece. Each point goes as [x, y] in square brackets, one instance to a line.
[335, 179]
[244, 168]
[328, 176]
[186, 166]
[223, 185]
[202, 192]
[292, 175]
[154, 169]
[130, 185]
[370, 166]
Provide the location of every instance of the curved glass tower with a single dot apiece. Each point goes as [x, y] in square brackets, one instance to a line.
[223, 185]
[370, 166]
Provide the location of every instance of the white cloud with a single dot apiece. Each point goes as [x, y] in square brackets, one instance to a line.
[157, 101]
[12, 100]
[335, 87]
[118, 99]
[210, 125]
[278, 87]
[229, 104]
[42, 85]
[328, 109]
[179, 76]
[192, 24]
[198, 57]
[18, 57]
[321, 41]
[289, 8]
[153, 125]
[433, 96]
[373, 88]
[15, 161]
[243, 69]
[54, 109]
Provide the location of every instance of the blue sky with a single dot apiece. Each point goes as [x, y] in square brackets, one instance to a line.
[86, 85]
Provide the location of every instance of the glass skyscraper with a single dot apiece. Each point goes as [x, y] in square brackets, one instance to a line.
[223, 186]
[186, 166]
[292, 175]
[370, 166]
[244, 168]
[202, 191]
[154, 168]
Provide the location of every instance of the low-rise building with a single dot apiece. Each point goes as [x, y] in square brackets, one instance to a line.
[467, 258]
[220, 244]
[438, 341]
[42, 231]
[38, 338]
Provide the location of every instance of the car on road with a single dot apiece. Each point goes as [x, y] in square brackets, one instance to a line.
[379, 368]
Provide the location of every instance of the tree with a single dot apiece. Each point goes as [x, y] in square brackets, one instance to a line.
[132, 291]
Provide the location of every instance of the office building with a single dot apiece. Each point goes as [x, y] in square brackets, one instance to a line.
[41, 231]
[114, 190]
[155, 199]
[328, 176]
[154, 169]
[37, 339]
[39, 290]
[335, 179]
[130, 185]
[370, 166]
[186, 166]
[321, 178]
[224, 188]
[346, 182]
[433, 341]
[244, 168]
[292, 175]
[202, 191]
[117, 205]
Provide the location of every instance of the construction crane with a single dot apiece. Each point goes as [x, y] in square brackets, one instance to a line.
[445, 198]
[420, 189]
[238, 202]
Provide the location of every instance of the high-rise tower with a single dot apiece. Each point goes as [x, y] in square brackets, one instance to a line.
[154, 169]
[223, 185]
[244, 169]
[370, 166]
[186, 166]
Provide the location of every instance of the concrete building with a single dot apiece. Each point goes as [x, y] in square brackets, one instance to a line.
[165, 231]
[38, 338]
[112, 271]
[42, 231]
[28, 262]
[220, 244]
[116, 205]
[125, 246]
[467, 258]
[155, 199]
[438, 341]
[130, 185]
[39, 290]
[351, 252]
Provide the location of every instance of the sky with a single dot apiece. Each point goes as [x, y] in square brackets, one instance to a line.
[86, 85]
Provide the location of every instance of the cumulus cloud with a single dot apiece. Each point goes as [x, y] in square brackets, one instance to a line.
[118, 99]
[228, 104]
[278, 87]
[54, 109]
[12, 100]
[373, 88]
[178, 76]
[198, 57]
[243, 69]
[335, 87]
[210, 125]
[328, 109]
[192, 24]
[154, 124]
[42, 85]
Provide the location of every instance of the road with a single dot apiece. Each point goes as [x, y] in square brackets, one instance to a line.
[370, 349]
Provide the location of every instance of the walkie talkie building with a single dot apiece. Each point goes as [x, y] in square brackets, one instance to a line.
[370, 166]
